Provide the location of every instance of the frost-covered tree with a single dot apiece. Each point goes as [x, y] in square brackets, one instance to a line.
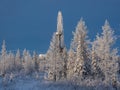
[10, 62]
[70, 64]
[64, 62]
[79, 46]
[106, 53]
[56, 54]
[51, 59]
[3, 57]
[35, 61]
[24, 55]
[96, 71]
[18, 61]
[28, 64]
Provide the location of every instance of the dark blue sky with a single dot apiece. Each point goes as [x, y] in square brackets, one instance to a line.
[30, 23]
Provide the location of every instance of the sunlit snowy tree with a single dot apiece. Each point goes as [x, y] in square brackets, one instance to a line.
[35, 61]
[3, 57]
[106, 53]
[28, 64]
[96, 71]
[10, 62]
[18, 61]
[24, 54]
[79, 46]
[56, 54]
[70, 64]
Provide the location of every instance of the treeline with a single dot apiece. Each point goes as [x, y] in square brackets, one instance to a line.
[85, 63]
[24, 63]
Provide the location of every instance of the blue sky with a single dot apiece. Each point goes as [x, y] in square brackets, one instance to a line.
[30, 23]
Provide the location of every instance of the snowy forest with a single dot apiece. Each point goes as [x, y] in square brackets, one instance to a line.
[85, 65]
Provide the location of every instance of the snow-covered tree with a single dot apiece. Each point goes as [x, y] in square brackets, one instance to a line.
[56, 54]
[51, 59]
[28, 64]
[64, 62]
[96, 71]
[35, 61]
[70, 64]
[3, 57]
[24, 55]
[106, 53]
[79, 46]
[10, 62]
[18, 61]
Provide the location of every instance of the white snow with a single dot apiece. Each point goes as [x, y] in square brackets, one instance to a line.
[30, 82]
[42, 56]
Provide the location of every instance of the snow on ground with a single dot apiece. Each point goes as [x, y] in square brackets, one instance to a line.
[37, 82]
[33, 83]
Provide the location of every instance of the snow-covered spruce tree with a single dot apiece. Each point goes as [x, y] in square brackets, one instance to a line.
[24, 54]
[3, 58]
[35, 61]
[106, 53]
[79, 46]
[57, 53]
[70, 64]
[42, 62]
[51, 59]
[95, 69]
[64, 58]
[28, 64]
[10, 62]
[18, 61]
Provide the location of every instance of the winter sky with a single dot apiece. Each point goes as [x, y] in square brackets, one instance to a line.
[30, 23]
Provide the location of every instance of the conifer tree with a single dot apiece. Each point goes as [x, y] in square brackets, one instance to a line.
[106, 53]
[56, 54]
[79, 46]
[18, 61]
[96, 71]
[70, 64]
[3, 57]
[24, 54]
[35, 61]
[10, 62]
[28, 66]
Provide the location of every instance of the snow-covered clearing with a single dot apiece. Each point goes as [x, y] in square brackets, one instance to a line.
[33, 83]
